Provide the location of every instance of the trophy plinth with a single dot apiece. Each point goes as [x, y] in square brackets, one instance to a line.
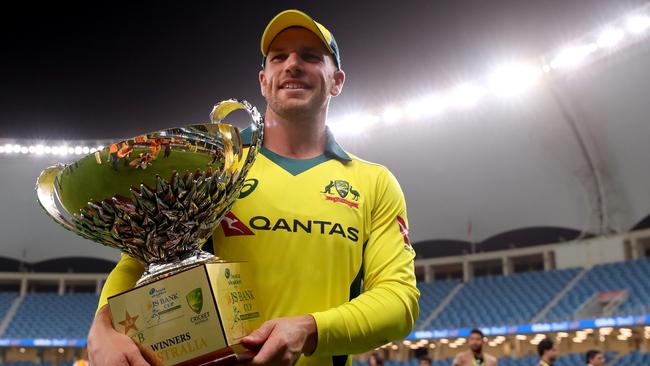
[192, 317]
[188, 308]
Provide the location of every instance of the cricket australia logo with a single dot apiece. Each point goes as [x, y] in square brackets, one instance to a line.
[195, 300]
[343, 189]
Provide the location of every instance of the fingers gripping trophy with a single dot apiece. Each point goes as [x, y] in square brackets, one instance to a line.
[189, 307]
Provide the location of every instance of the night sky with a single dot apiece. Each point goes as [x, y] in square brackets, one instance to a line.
[114, 69]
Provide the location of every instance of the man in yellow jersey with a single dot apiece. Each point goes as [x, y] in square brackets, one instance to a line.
[475, 356]
[333, 267]
[547, 352]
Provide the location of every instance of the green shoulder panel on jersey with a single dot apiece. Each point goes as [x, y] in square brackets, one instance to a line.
[293, 166]
[357, 285]
[332, 148]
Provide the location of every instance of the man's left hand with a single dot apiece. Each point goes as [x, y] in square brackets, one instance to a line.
[282, 340]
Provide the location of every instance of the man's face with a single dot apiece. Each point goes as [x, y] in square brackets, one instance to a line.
[598, 360]
[299, 76]
[551, 354]
[475, 342]
[425, 363]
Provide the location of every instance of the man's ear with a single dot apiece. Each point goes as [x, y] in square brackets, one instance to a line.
[339, 80]
[262, 78]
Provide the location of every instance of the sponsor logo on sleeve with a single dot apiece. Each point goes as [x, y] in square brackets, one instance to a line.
[404, 230]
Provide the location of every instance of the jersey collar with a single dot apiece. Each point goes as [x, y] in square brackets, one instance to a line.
[332, 148]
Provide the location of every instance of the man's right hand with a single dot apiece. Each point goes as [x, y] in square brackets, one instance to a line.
[107, 347]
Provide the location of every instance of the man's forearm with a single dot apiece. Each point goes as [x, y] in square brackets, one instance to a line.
[376, 317]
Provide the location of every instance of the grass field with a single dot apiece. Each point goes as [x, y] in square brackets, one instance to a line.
[86, 180]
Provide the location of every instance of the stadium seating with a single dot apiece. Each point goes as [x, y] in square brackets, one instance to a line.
[411, 362]
[6, 299]
[48, 315]
[502, 300]
[630, 275]
[572, 359]
[634, 359]
[431, 295]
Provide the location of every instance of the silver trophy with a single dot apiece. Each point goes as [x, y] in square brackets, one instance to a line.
[156, 196]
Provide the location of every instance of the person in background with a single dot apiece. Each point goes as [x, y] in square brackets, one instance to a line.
[595, 358]
[475, 356]
[547, 352]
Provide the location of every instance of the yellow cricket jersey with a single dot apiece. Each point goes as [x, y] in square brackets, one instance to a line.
[326, 236]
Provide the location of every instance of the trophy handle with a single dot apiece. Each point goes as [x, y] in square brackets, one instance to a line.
[47, 195]
[223, 109]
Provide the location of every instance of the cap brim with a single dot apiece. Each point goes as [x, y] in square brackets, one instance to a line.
[288, 19]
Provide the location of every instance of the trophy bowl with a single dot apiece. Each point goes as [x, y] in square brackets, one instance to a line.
[158, 207]
[158, 197]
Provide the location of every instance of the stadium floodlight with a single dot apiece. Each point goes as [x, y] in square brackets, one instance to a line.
[48, 150]
[24, 149]
[430, 105]
[39, 149]
[512, 79]
[16, 148]
[392, 114]
[466, 95]
[573, 56]
[63, 150]
[8, 148]
[71, 150]
[605, 330]
[2, 149]
[55, 150]
[610, 37]
[78, 150]
[354, 124]
[85, 150]
[637, 24]
[414, 110]
[31, 149]
[93, 150]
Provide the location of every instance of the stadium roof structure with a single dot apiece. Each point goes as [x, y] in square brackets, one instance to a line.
[569, 156]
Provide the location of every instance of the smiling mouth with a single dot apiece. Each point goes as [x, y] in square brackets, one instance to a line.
[293, 86]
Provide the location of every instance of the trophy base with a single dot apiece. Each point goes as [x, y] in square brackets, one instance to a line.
[154, 272]
[225, 357]
[196, 316]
